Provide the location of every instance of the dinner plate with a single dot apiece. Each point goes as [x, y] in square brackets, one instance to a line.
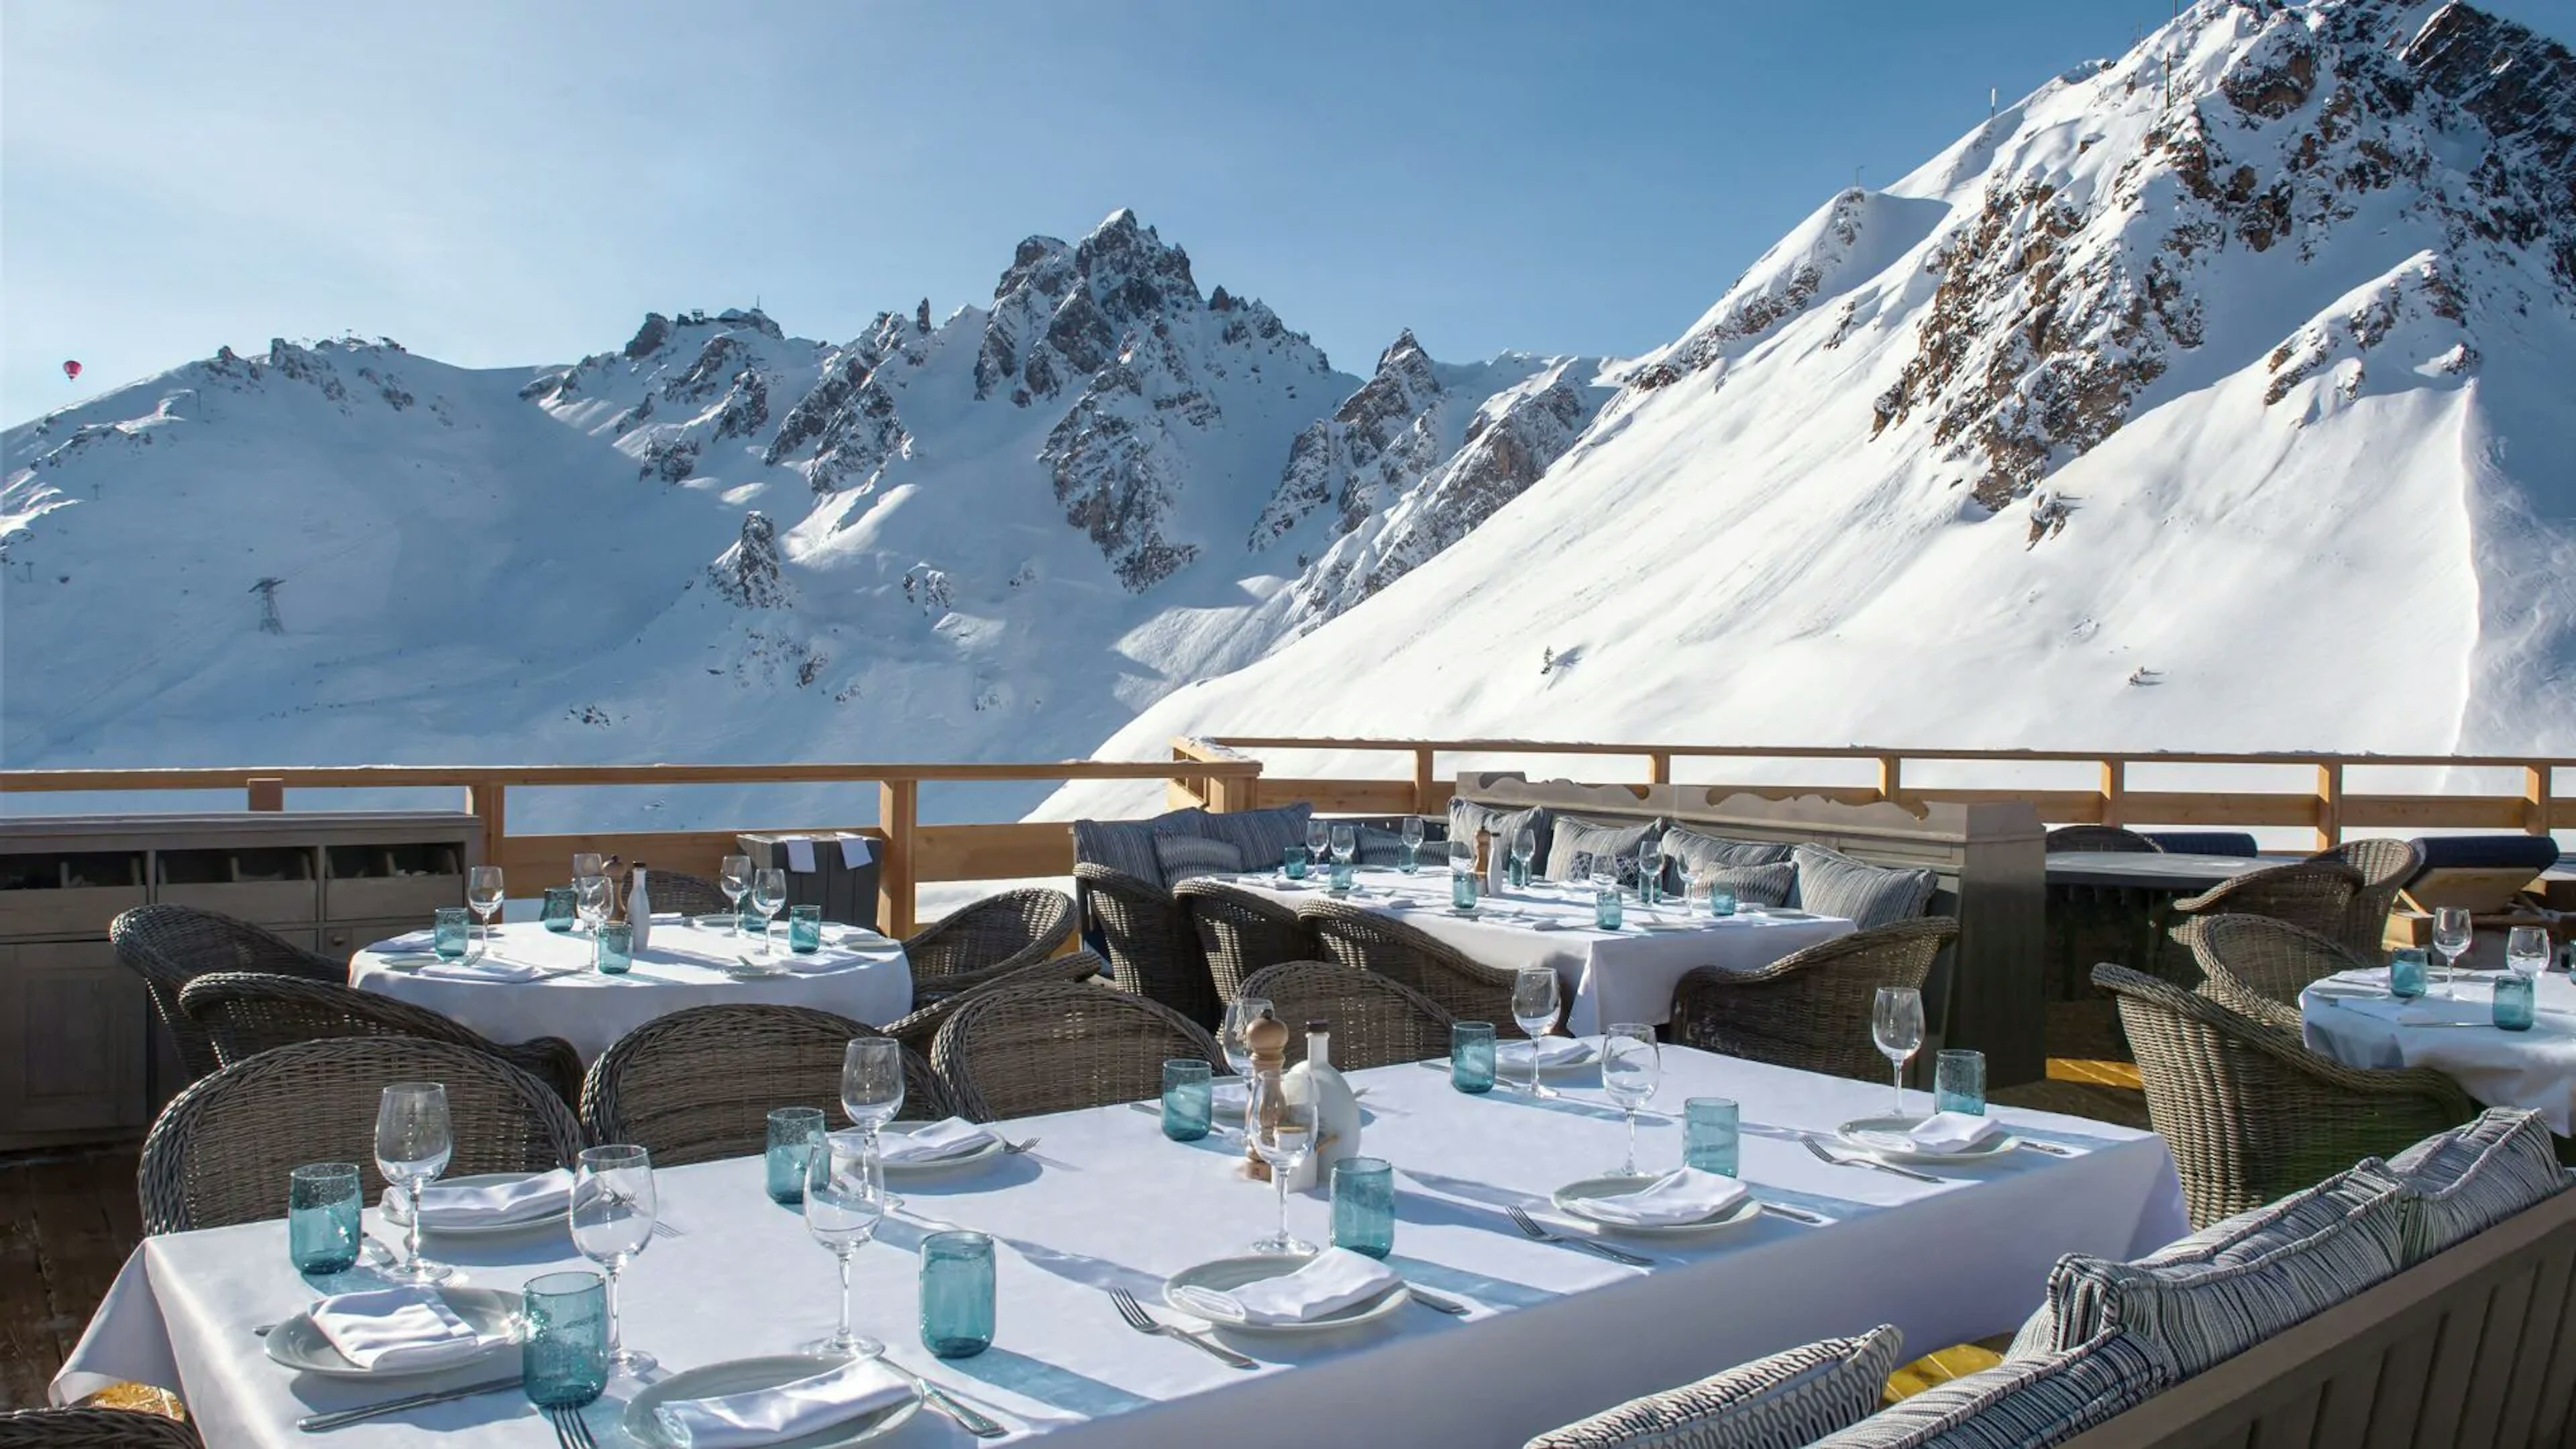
[991, 1148]
[1850, 1133]
[1574, 1197]
[408, 960]
[298, 1343]
[1518, 1066]
[401, 1218]
[746, 1375]
[1224, 1275]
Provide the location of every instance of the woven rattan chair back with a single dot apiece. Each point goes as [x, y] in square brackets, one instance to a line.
[2316, 894]
[1055, 1048]
[220, 1152]
[1242, 931]
[246, 1013]
[991, 938]
[2249, 1113]
[1365, 941]
[2386, 865]
[1810, 1009]
[2098, 838]
[1153, 949]
[2258, 966]
[94, 1429]
[698, 1085]
[919, 1029]
[1376, 1020]
[170, 946]
[688, 895]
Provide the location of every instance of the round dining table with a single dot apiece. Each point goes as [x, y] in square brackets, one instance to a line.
[2352, 1018]
[533, 982]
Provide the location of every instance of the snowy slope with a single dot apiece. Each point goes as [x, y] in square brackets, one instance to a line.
[2236, 421]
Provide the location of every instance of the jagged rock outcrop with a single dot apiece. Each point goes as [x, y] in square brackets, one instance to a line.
[1379, 441]
[748, 574]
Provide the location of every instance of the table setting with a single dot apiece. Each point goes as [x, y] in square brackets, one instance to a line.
[2507, 1037]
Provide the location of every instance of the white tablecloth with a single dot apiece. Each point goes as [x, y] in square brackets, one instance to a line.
[1105, 1200]
[865, 978]
[1609, 976]
[2535, 1069]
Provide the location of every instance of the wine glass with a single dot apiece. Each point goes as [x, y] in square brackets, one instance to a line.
[1410, 834]
[1896, 1023]
[1462, 857]
[2526, 951]
[1534, 1002]
[1346, 846]
[589, 862]
[1650, 870]
[613, 1207]
[483, 893]
[1239, 1017]
[845, 1199]
[1632, 1066]
[872, 1082]
[768, 893]
[590, 902]
[1524, 850]
[1319, 838]
[734, 877]
[413, 1142]
[1685, 869]
[1282, 1132]
[2451, 936]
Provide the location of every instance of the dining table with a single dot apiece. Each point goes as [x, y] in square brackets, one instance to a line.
[2352, 1018]
[2167, 871]
[1548, 1330]
[1608, 976]
[529, 981]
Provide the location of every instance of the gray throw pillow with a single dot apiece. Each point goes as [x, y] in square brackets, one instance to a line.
[1187, 857]
[1581, 844]
[1760, 885]
[2021, 1403]
[1127, 846]
[1712, 852]
[1466, 817]
[1781, 1402]
[1385, 848]
[2456, 1184]
[1831, 883]
[1262, 836]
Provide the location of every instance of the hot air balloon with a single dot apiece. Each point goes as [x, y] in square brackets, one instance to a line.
[71, 369]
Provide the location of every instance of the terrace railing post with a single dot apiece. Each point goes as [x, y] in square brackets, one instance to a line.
[267, 792]
[1891, 776]
[2535, 799]
[1659, 767]
[1425, 783]
[2115, 782]
[485, 800]
[898, 813]
[2329, 804]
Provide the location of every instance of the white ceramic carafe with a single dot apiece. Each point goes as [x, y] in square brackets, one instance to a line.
[1315, 1082]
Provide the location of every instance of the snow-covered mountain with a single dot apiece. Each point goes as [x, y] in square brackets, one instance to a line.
[993, 535]
[2213, 397]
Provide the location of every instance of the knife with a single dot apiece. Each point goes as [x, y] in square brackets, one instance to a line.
[315, 1423]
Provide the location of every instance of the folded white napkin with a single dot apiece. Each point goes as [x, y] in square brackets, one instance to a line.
[490, 968]
[396, 1330]
[520, 1200]
[815, 963]
[800, 852]
[954, 1137]
[1552, 1051]
[1686, 1196]
[407, 941]
[1329, 1282]
[788, 1411]
[1940, 1132]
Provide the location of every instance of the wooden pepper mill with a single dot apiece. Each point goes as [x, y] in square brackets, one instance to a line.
[1267, 1038]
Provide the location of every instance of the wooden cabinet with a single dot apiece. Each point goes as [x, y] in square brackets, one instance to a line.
[72, 1040]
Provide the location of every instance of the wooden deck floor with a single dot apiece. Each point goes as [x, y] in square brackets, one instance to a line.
[67, 1222]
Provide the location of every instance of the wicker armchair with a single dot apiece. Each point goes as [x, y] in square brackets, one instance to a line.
[1377, 1021]
[689, 895]
[2386, 866]
[698, 1085]
[220, 1152]
[2098, 838]
[246, 1013]
[2250, 1114]
[920, 1028]
[1242, 931]
[94, 1429]
[1042, 1049]
[169, 946]
[1153, 950]
[1810, 1009]
[987, 940]
[1365, 941]
[2317, 894]
[2258, 966]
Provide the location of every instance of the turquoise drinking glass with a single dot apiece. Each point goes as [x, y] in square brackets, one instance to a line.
[1712, 1134]
[1408, 858]
[616, 947]
[2406, 972]
[1345, 875]
[1189, 1106]
[749, 921]
[560, 904]
[2513, 998]
[804, 929]
[1721, 902]
[793, 1131]
[1364, 1206]
[1462, 892]
[1606, 910]
[1959, 1082]
[1471, 1056]
[322, 1234]
[451, 932]
[956, 1294]
[1292, 861]
[565, 1358]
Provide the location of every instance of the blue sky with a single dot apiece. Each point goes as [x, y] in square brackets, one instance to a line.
[499, 183]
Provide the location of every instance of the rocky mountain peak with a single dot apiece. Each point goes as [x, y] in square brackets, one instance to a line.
[747, 573]
[1060, 313]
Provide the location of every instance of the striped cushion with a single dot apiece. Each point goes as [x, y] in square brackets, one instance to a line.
[2022, 1403]
[1466, 817]
[1384, 847]
[1187, 857]
[1781, 1402]
[2459, 1183]
[1262, 836]
[1581, 844]
[1714, 851]
[1127, 846]
[1761, 885]
[1831, 883]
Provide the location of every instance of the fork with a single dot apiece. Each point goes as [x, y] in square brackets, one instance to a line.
[1143, 1322]
[1529, 1226]
[662, 1229]
[1818, 1148]
[1014, 1149]
[570, 1430]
